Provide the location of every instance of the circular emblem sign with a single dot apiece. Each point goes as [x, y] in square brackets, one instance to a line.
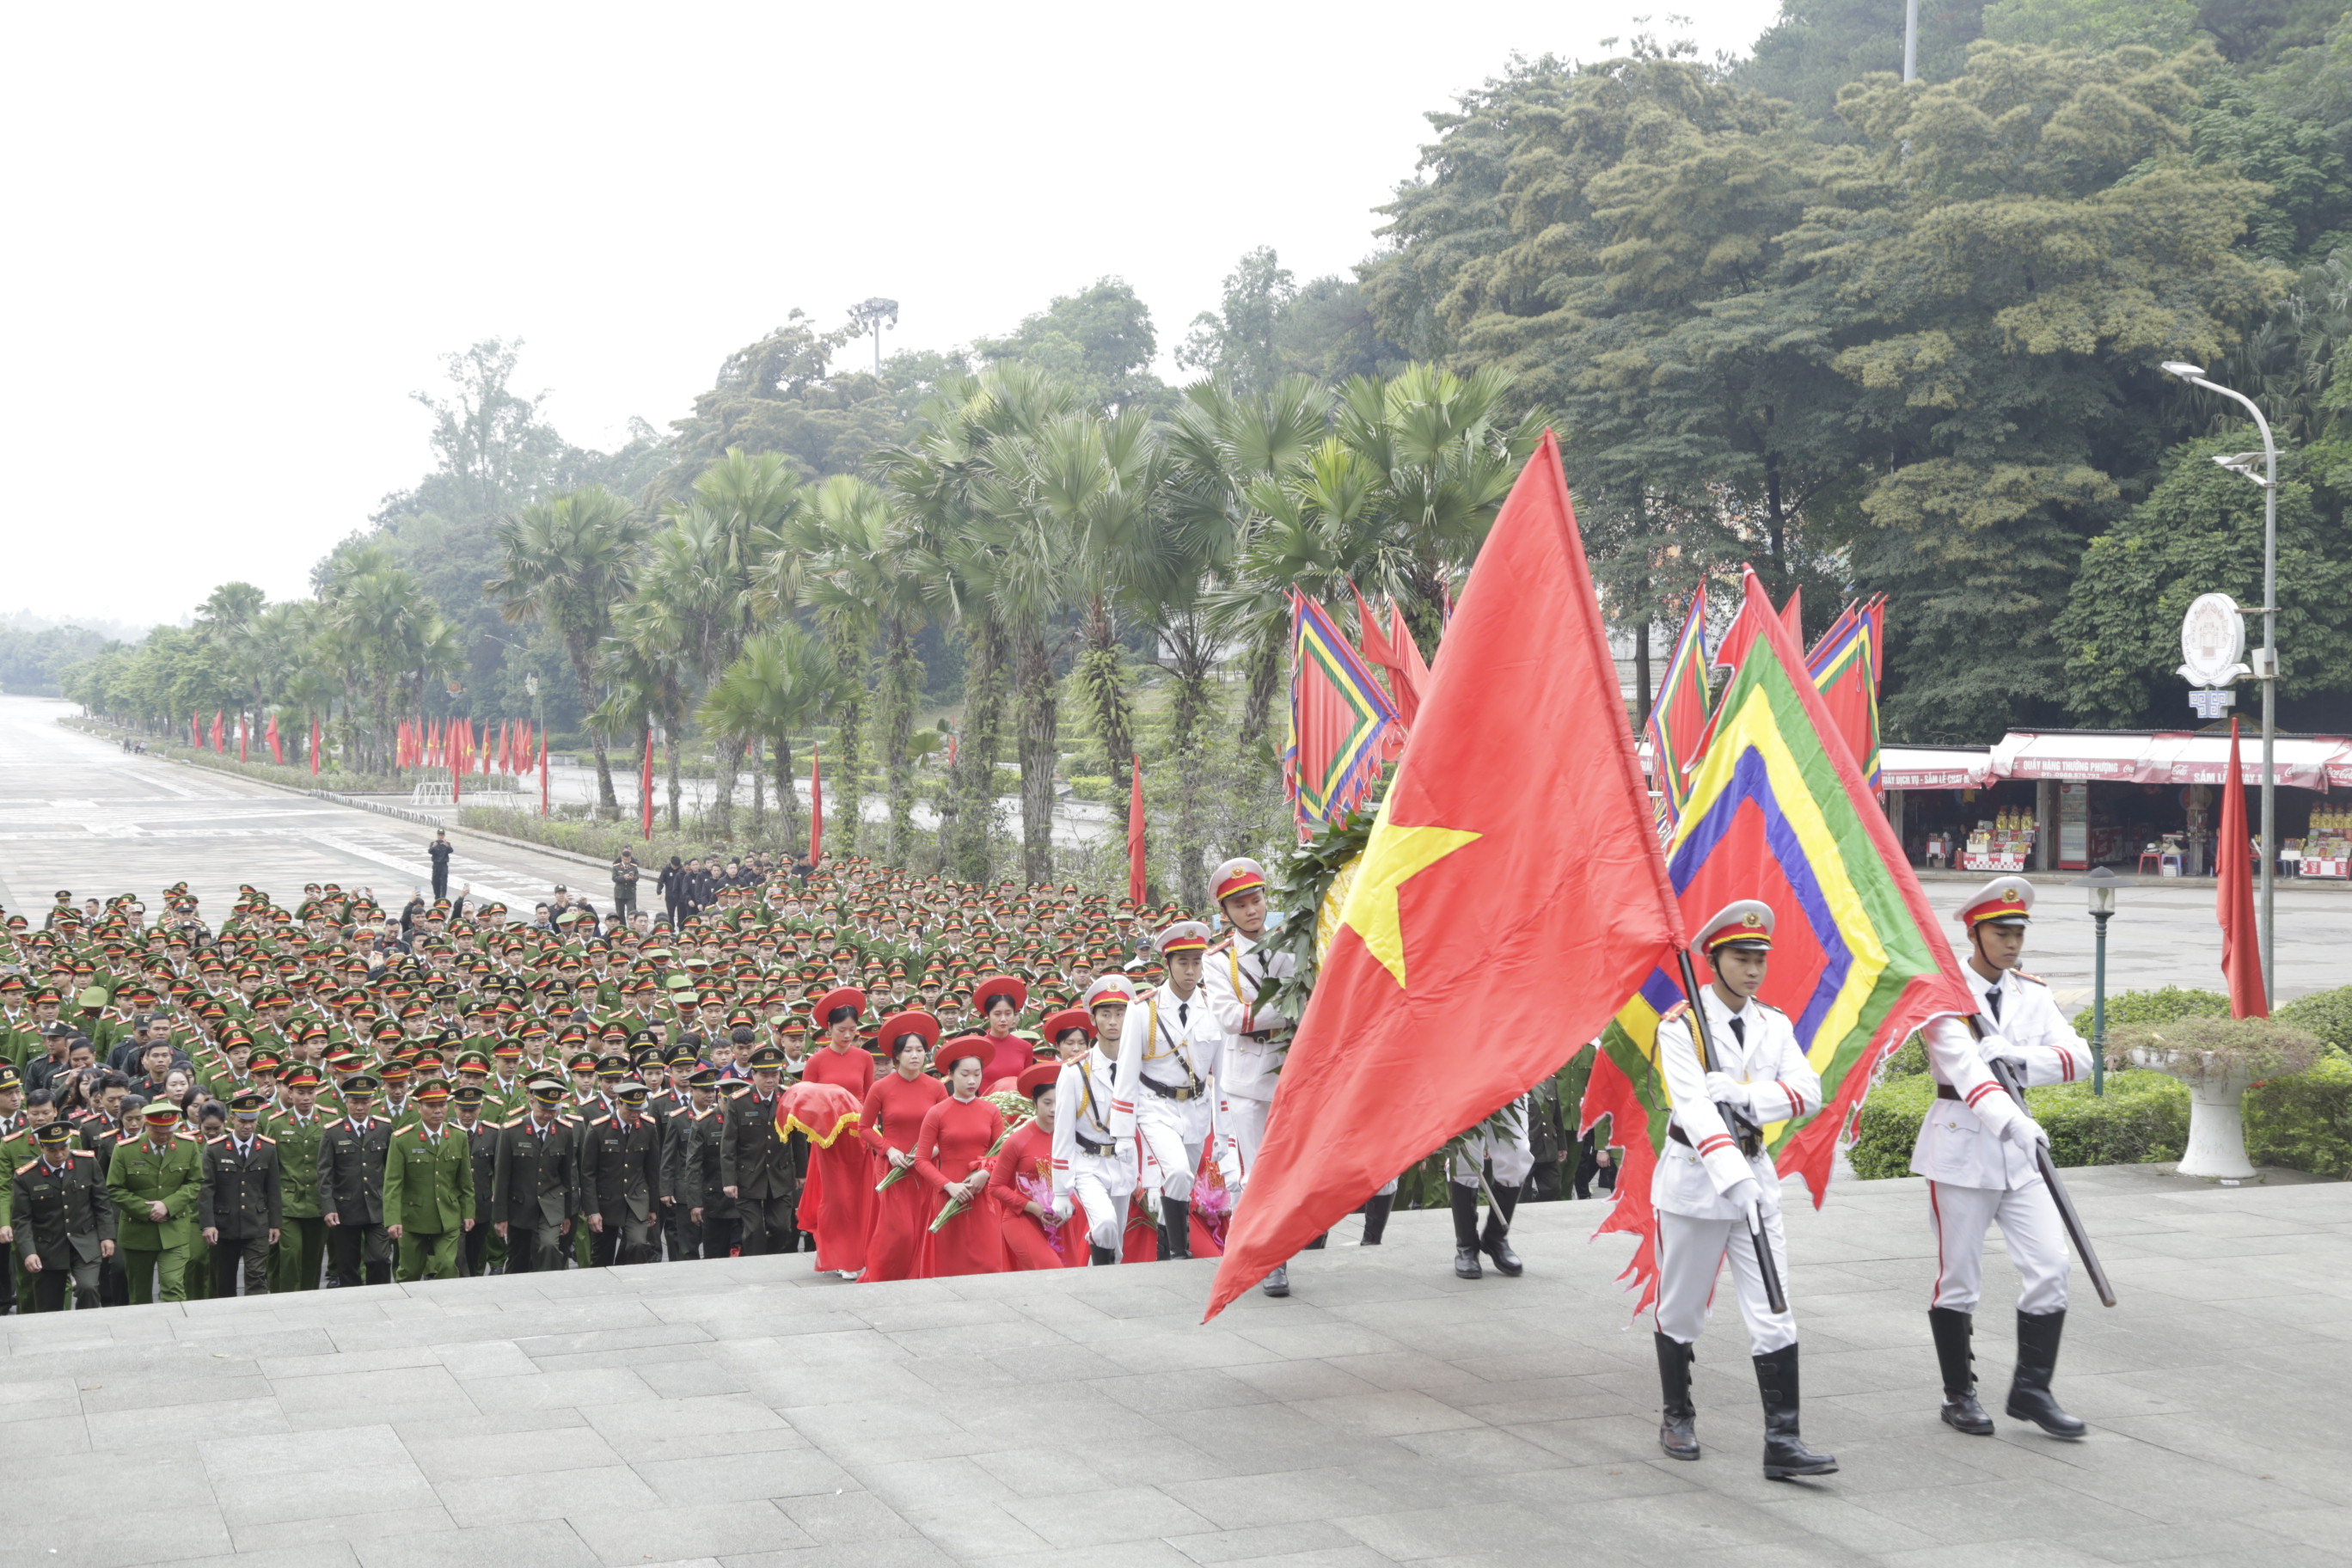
[2212, 641]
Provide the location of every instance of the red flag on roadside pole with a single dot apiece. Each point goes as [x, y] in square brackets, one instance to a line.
[244, 734]
[1135, 831]
[543, 775]
[645, 786]
[816, 804]
[2233, 897]
[315, 736]
[1511, 898]
[219, 749]
[453, 743]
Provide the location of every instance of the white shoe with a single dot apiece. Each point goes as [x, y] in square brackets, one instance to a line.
[851, 1273]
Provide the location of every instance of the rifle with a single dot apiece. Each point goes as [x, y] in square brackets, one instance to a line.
[2006, 1076]
[1742, 1129]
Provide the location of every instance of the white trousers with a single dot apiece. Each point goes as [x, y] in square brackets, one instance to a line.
[1505, 1149]
[2029, 1224]
[1174, 1131]
[1101, 1185]
[1245, 1119]
[1691, 1253]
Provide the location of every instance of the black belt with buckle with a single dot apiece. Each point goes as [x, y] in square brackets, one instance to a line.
[1268, 1037]
[1090, 1146]
[1751, 1145]
[1164, 1092]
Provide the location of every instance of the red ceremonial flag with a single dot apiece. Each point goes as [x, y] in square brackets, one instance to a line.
[1135, 831]
[646, 787]
[816, 804]
[218, 747]
[1509, 899]
[195, 731]
[1411, 669]
[543, 775]
[244, 734]
[2233, 897]
[1792, 616]
[1677, 718]
[314, 747]
[454, 744]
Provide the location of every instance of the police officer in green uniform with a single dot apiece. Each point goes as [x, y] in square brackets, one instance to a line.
[298, 1126]
[241, 1201]
[537, 1180]
[351, 1187]
[154, 1185]
[63, 1220]
[429, 1189]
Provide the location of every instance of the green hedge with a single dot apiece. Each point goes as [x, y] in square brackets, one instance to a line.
[2143, 1118]
[2328, 1014]
[2158, 1007]
[2303, 1122]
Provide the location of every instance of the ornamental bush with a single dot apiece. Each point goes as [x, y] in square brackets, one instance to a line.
[2303, 1122]
[2158, 1007]
[2142, 1118]
[2326, 1013]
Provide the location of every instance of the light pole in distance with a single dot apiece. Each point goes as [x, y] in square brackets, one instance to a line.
[2100, 886]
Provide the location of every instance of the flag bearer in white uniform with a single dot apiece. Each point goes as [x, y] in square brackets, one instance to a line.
[1707, 1181]
[1236, 976]
[1093, 1166]
[1499, 1144]
[1976, 1148]
[1170, 1053]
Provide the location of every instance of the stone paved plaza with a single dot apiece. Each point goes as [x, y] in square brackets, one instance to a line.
[748, 1414]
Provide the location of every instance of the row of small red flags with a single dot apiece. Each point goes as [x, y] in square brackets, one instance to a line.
[240, 729]
[453, 743]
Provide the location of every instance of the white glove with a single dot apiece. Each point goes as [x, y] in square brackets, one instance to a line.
[1125, 1150]
[2024, 1131]
[1228, 1166]
[1722, 1089]
[1060, 1208]
[1994, 1048]
[1743, 1193]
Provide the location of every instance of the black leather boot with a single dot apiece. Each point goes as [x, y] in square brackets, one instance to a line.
[2037, 1359]
[1100, 1257]
[1785, 1453]
[1961, 1411]
[1496, 1243]
[1317, 1243]
[1376, 1218]
[1175, 1228]
[1465, 1230]
[1678, 1433]
[1278, 1282]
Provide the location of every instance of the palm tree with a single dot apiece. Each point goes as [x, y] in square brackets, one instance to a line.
[566, 562]
[645, 666]
[783, 680]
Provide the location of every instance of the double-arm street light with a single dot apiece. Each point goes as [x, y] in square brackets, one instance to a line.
[2266, 662]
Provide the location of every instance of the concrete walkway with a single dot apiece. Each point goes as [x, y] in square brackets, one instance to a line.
[746, 1412]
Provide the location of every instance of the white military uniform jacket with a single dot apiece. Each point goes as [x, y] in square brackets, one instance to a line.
[1960, 1141]
[1234, 979]
[1691, 1177]
[1082, 1102]
[1174, 1042]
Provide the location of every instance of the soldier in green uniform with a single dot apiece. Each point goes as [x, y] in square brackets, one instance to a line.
[536, 1181]
[620, 1178]
[429, 1189]
[62, 1219]
[241, 1201]
[352, 1153]
[298, 1126]
[154, 1185]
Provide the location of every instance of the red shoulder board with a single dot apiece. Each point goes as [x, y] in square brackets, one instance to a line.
[1677, 1011]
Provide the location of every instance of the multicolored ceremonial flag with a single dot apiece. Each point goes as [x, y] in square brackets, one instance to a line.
[1678, 715]
[1510, 895]
[1845, 667]
[1343, 728]
[1777, 812]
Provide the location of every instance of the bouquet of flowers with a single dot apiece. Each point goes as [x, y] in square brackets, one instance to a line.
[1002, 1102]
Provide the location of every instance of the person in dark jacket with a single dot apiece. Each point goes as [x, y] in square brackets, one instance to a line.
[64, 1220]
[671, 885]
[241, 1203]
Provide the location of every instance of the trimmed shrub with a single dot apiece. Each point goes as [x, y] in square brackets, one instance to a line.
[2303, 1122]
[2326, 1013]
[2142, 1118]
[2158, 1007]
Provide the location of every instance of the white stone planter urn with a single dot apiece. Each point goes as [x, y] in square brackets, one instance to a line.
[2219, 1059]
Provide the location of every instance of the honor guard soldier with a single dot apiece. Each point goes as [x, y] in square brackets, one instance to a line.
[1976, 1148]
[241, 1203]
[620, 1178]
[537, 1180]
[64, 1221]
[755, 1161]
[1170, 1055]
[1710, 1178]
[429, 1189]
[1093, 1165]
[351, 1152]
[154, 1185]
[1237, 978]
[1500, 1144]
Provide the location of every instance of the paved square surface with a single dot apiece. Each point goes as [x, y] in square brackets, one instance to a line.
[748, 1414]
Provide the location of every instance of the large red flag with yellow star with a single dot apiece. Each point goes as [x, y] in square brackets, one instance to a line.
[1508, 901]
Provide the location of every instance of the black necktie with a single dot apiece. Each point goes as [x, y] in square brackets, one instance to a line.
[1739, 1031]
[1992, 1001]
[1185, 1014]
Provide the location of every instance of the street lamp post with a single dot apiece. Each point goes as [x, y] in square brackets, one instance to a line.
[2266, 662]
[2100, 886]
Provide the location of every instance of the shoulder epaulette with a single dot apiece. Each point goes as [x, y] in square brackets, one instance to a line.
[512, 1121]
[221, 1138]
[85, 1154]
[600, 1121]
[27, 1166]
[187, 1137]
[1677, 1011]
[264, 1137]
[2036, 979]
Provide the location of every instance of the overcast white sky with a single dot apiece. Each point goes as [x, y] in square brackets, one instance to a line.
[242, 236]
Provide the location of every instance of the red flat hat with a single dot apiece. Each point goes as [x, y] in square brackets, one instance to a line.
[914, 1023]
[997, 985]
[973, 1047]
[840, 997]
[1044, 1076]
[1058, 1024]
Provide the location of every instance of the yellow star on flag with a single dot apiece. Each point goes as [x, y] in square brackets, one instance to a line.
[1391, 855]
